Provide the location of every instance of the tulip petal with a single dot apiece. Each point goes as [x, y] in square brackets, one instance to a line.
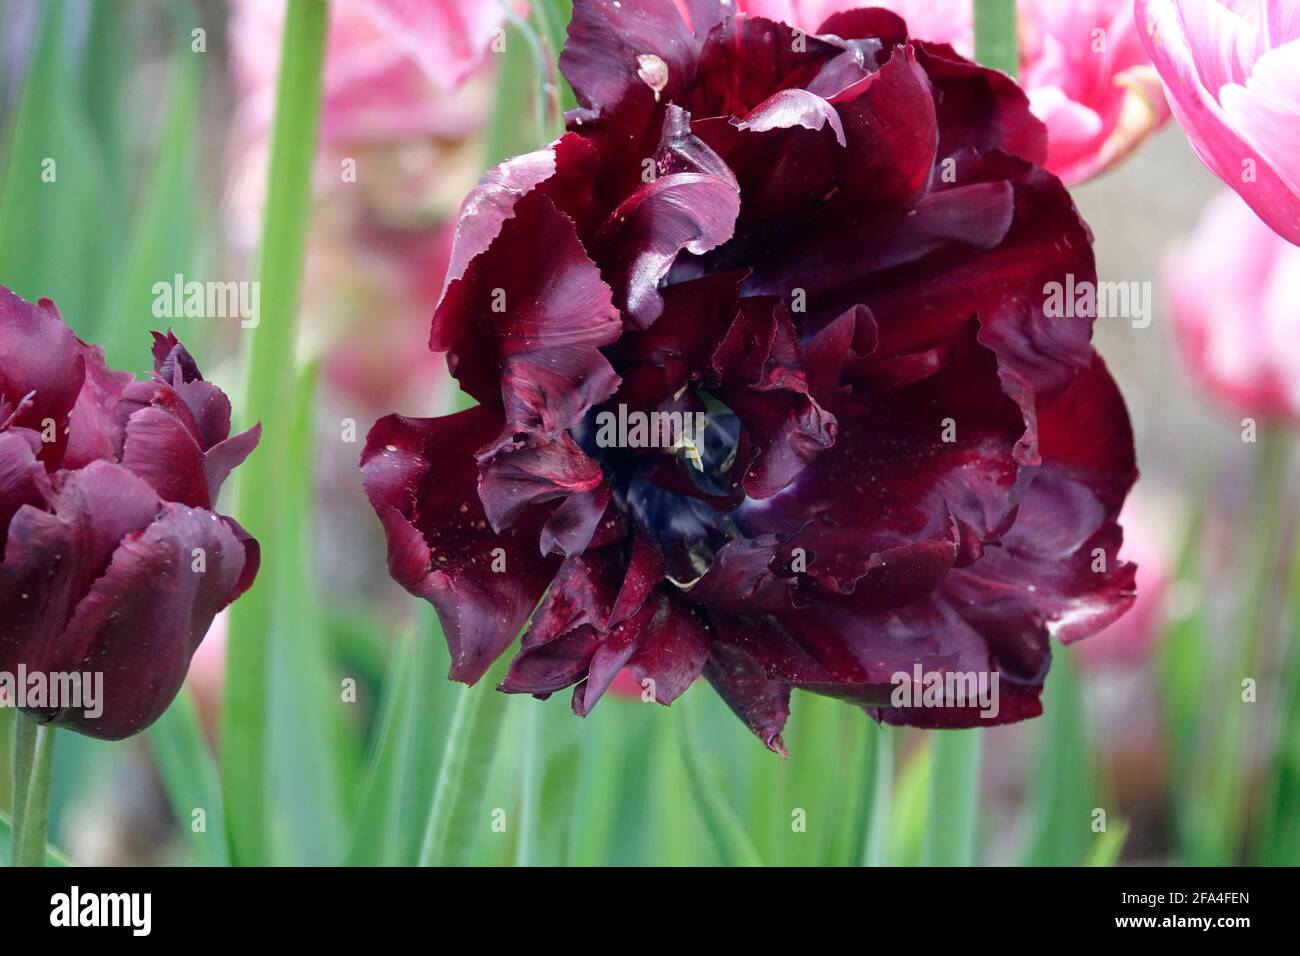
[524, 324]
[140, 634]
[41, 371]
[421, 478]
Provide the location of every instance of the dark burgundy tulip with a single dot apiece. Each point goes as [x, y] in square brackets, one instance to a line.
[114, 559]
[834, 246]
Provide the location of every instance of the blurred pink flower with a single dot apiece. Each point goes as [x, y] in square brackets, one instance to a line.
[379, 89]
[1081, 63]
[1232, 72]
[1235, 288]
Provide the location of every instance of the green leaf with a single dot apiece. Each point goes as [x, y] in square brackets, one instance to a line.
[270, 393]
[611, 745]
[553, 18]
[162, 239]
[551, 761]
[909, 822]
[310, 741]
[189, 775]
[1108, 846]
[517, 123]
[727, 833]
[54, 240]
[389, 824]
[953, 803]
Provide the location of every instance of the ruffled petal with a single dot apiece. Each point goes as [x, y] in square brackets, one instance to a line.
[523, 326]
[41, 371]
[422, 480]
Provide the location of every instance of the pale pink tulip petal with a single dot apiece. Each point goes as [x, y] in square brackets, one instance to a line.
[1234, 95]
[447, 38]
[1234, 287]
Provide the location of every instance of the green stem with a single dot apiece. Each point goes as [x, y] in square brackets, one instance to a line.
[458, 795]
[269, 392]
[24, 753]
[34, 786]
[6, 759]
[996, 42]
[953, 807]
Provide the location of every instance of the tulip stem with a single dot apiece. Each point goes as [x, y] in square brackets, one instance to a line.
[466, 762]
[270, 387]
[33, 766]
[996, 42]
[24, 751]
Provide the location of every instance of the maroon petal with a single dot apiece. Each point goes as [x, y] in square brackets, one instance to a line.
[23, 479]
[161, 449]
[523, 326]
[591, 596]
[562, 171]
[979, 108]
[252, 557]
[573, 525]
[691, 205]
[657, 362]
[1058, 568]
[53, 557]
[746, 60]
[227, 455]
[41, 371]
[892, 136]
[892, 480]
[568, 625]
[421, 478]
[142, 636]
[665, 642]
[517, 473]
[763, 704]
[625, 57]
[759, 362]
[94, 429]
[741, 580]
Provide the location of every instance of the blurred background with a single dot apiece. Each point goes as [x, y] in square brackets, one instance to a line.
[1150, 750]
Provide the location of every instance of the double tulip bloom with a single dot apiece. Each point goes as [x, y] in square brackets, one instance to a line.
[836, 248]
[114, 558]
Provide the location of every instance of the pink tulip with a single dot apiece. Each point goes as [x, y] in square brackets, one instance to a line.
[1081, 63]
[1231, 69]
[1235, 289]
